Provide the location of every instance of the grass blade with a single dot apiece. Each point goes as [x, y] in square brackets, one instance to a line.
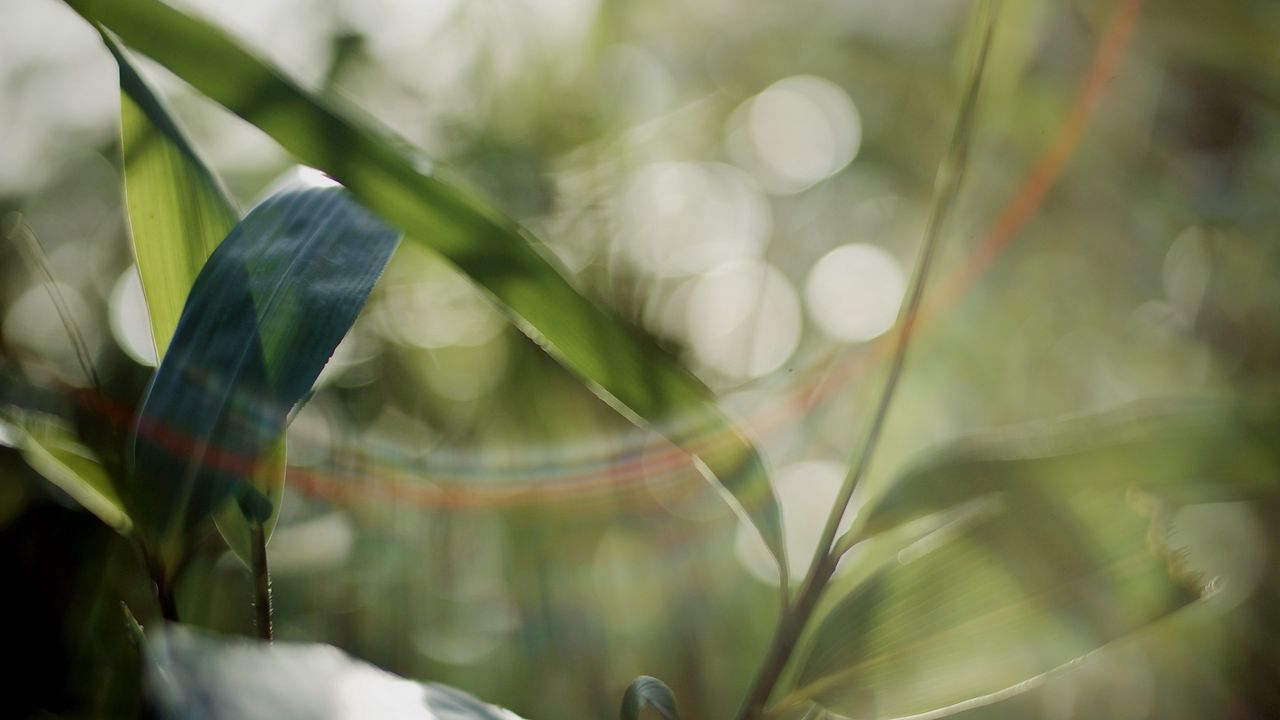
[622, 365]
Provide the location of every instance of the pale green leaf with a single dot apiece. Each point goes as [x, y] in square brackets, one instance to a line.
[50, 448]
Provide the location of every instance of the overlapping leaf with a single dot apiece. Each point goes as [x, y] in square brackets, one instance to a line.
[178, 214]
[263, 317]
[623, 366]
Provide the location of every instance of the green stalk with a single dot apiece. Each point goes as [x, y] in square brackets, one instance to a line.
[825, 559]
[261, 581]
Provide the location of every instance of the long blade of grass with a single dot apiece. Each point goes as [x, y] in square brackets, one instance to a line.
[622, 365]
[178, 214]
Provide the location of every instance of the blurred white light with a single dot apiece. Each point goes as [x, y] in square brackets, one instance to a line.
[33, 324]
[853, 292]
[687, 218]
[806, 491]
[130, 323]
[743, 319]
[795, 133]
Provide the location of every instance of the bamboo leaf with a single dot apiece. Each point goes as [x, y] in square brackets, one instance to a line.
[623, 366]
[178, 214]
[262, 319]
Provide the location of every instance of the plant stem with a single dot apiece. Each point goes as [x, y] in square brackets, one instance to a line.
[825, 559]
[166, 599]
[261, 580]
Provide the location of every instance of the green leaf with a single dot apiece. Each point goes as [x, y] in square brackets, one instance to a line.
[178, 214]
[962, 620]
[647, 691]
[262, 319]
[194, 675]
[50, 448]
[622, 365]
[1183, 451]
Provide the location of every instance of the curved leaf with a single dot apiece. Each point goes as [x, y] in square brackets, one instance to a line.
[51, 450]
[646, 691]
[622, 365]
[265, 314]
[964, 620]
[178, 213]
[192, 675]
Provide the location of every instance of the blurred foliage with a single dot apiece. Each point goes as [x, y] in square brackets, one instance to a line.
[461, 509]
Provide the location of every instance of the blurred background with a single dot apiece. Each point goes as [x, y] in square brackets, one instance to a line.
[749, 182]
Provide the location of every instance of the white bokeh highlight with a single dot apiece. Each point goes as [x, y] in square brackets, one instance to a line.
[743, 319]
[130, 323]
[853, 292]
[797, 132]
[806, 490]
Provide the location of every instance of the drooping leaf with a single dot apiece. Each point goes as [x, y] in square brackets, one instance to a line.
[621, 364]
[178, 214]
[646, 691]
[1183, 451]
[965, 619]
[265, 314]
[50, 448]
[191, 675]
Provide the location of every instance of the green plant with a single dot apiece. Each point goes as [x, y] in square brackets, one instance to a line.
[1086, 503]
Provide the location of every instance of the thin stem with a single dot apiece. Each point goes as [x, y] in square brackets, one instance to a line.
[162, 582]
[261, 580]
[825, 560]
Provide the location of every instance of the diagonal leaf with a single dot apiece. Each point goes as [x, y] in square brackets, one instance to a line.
[646, 691]
[1203, 451]
[622, 365]
[51, 450]
[178, 214]
[961, 621]
[193, 675]
[262, 319]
